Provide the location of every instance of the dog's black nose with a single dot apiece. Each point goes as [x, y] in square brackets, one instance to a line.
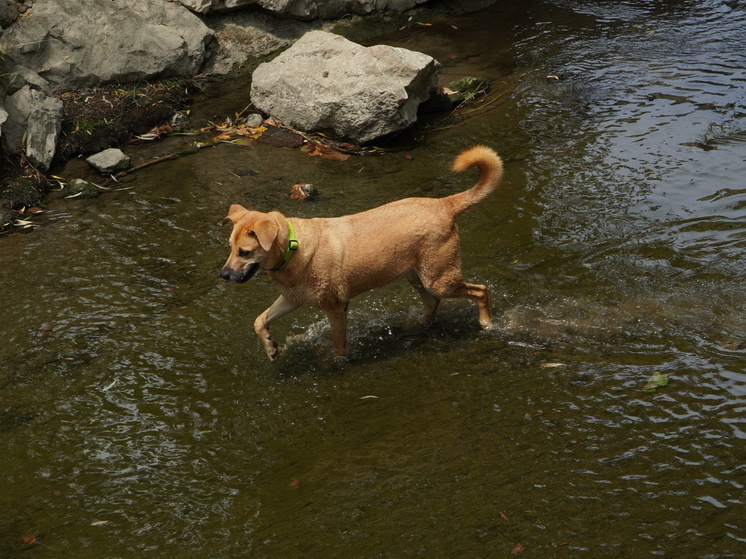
[226, 274]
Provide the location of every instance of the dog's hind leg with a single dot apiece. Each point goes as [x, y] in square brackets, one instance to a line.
[429, 300]
[479, 294]
[441, 277]
[279, 308]
[452, 289]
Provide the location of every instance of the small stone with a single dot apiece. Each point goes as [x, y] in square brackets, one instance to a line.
[109, 161]
[254, 120]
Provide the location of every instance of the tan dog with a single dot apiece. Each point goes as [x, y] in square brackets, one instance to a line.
[325, 262]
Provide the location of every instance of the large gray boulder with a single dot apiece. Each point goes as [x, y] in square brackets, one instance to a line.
[326, 83]
[78, 43]
[248, 35]
[34, 118]
[8, 12]
[3, 118]
[304, 9]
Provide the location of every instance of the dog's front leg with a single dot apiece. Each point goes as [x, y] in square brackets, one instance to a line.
[337, 316]
[279, 308]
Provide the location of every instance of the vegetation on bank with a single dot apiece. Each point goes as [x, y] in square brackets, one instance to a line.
[93, 120]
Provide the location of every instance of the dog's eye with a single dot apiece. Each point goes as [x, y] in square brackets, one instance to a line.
[244, 253]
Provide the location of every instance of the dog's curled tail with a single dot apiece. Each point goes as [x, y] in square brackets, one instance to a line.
[490, 174]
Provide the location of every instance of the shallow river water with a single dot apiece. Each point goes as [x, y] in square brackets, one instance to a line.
[140, 417]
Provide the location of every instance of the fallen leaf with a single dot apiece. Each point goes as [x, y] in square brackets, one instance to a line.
[325, 152]
[551, 365]
[503, 516]
[517, 548]
[29, 540]
[335, 155]
[295, 483]
[302, 191]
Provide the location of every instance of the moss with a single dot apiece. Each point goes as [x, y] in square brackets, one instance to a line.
[99, 118]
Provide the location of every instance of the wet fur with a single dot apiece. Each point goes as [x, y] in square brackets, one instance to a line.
[339, 258]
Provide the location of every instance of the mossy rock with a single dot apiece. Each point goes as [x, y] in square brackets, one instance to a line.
[78, 188]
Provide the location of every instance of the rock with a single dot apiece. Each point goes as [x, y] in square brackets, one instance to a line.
[326, 83]
[8, 12]
[246, 36]
[304, 9]
[37, 117]
[79, 188]
[3, 118]
[109, 161]
[254, 120]
[78, 43]
[17, 76]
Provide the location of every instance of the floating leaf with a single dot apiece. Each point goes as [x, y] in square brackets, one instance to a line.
[99, 522]
[29, 540]
[655, 381]
[517, 548]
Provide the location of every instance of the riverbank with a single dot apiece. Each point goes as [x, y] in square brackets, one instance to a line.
[96, 117]
[93, 120]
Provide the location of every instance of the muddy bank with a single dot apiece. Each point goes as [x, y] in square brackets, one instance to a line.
[94, 119]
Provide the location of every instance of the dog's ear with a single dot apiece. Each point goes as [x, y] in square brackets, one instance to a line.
[235, 213]
[266, 230]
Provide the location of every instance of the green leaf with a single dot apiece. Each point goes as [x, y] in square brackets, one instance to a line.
[655, 381]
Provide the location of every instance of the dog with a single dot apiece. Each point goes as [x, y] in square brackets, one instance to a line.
[325, 262]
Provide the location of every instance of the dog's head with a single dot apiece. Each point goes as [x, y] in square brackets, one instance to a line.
[253, 242]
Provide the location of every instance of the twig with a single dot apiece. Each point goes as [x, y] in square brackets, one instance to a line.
[153, 162]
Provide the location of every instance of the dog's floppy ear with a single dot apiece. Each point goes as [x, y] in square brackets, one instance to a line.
[266, 230]
[235, 213]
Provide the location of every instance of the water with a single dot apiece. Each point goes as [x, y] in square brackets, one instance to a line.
[139, 415]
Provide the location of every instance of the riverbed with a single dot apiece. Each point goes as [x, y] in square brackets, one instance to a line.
[603, 416]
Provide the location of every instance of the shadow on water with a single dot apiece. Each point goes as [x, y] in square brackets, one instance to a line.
[140, 416]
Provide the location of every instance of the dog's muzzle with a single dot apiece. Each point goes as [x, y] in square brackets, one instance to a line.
[240, 276]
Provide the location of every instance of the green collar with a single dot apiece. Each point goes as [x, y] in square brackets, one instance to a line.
[290, 250]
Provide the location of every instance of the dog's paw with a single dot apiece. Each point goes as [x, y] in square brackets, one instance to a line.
[273, 352]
